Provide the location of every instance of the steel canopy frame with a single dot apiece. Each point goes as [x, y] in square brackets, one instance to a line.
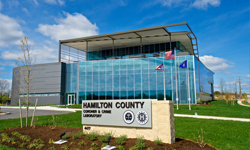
[130, 35]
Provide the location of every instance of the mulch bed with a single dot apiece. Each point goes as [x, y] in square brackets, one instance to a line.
[45, 133]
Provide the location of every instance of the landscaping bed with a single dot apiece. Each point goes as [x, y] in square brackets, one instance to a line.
[41, 137]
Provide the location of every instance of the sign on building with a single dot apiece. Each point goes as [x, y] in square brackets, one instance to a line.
[127, 113]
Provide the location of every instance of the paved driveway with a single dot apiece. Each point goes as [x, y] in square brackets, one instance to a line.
[14, 112]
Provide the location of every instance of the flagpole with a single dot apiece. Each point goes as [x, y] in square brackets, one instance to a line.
[189, 99]
[176, 79]
[164, 79]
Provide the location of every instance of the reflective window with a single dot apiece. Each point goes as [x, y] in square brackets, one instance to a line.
[138, 79]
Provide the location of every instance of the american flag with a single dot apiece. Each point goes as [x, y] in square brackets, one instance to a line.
[169, 55]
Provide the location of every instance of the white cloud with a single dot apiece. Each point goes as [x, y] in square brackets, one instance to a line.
[1, 68]
[11, 32]
[199, 4]
[171, 2]
[13, 3]
[216, 63]
[248, 76]
[44, 54]
[35, 1]
[203, 4]
[61, 2]
[52, 2]
[25, 10]
[73, 26]
[1, 5]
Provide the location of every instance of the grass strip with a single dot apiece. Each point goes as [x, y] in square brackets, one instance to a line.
[219, 108]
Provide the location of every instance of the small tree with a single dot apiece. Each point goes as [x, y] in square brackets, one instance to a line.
[222, 86]
[4, 85]
[24, 67]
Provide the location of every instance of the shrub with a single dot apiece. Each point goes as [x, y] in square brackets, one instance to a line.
[10, 140]
[32, 145]
[23, 144]
[72, 143]
[93, 148]
[39, 146]
[25, 138]
[37, 141]
[65, 147]
[121, 140]
[104, 144]
[92, 136]
[82, 143]
[66, 136]
[200, 139]
[150, 148]
[104, 138]
[52, 147]
[13, 143]
[51, 141]
[140, 143]
[120, 147]
[94, 144]
[133, 148]
[75, 136]
[16, 134]
[158, 141]
[81, 133]
[201, 101]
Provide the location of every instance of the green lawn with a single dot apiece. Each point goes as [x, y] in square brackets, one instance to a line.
[224, 135]
[218, 108]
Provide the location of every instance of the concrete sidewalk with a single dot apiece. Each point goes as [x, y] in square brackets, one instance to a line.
[240, 103]
[44, 108]
[176, 115]
[213, 117]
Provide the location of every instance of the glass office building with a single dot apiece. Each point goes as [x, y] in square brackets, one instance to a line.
[123, 65]
[137, 79]
[120, 66]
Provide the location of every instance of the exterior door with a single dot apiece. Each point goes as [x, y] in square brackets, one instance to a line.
[71, 99]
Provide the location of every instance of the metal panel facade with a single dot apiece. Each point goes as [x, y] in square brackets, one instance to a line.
[45, 79]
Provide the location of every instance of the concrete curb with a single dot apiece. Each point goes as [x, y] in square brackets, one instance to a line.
[46, 108]
[6, 113]
[212, 117]
[240, 103]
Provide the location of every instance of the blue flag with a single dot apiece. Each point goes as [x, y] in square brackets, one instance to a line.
[184, 64]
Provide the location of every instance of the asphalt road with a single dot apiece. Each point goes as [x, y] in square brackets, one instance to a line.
[14, 112]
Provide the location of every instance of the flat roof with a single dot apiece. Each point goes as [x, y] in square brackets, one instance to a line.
[144, 36]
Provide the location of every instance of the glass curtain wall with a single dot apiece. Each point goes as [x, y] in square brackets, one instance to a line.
[71, 79]
[124, 53]
[132, 79]
[204, 88]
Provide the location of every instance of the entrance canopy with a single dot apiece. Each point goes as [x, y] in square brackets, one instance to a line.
[145, 36]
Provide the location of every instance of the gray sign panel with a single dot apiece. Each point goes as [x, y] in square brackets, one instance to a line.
[127, 113]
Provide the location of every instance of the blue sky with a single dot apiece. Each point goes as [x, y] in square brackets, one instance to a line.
[221, 26]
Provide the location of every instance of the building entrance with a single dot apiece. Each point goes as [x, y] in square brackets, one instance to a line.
[71, 99]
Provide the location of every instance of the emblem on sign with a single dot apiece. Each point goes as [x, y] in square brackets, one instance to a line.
[128, 117]
[142, 117]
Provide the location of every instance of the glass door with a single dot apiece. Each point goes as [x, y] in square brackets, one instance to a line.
[71, 99]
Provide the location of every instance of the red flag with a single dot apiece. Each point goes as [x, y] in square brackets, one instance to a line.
[169, 55]
[160, 67]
